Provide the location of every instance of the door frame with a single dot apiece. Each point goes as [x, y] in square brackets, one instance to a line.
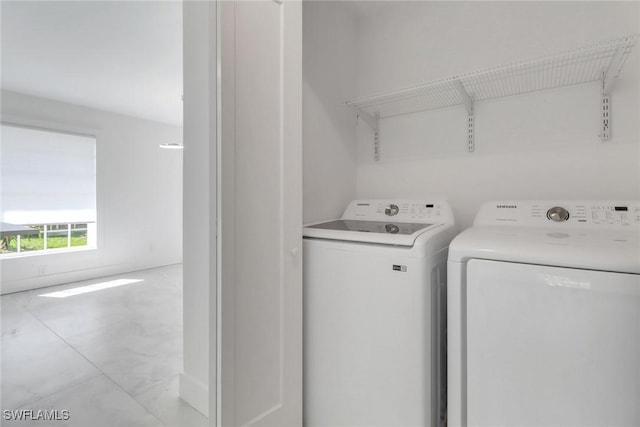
[223, 298]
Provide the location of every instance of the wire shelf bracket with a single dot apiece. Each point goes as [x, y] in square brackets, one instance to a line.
[467, 100]
[374, 123]
[608, 76]
[600, 62]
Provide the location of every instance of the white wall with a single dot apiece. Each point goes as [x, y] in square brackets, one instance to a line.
[199, 266]
[542, 146]
[329, 131]
[139, 195]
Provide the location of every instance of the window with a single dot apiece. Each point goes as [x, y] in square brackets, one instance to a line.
[48, 190]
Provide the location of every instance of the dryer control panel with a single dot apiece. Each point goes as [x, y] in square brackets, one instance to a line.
[418, 211]
[622, 215]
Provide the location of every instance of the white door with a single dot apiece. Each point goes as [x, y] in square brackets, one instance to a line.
[549, 346]
[260, 199]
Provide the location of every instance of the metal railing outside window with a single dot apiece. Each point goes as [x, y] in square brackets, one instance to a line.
[49, 237]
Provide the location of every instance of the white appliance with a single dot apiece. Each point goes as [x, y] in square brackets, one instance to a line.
[544, 315]
[374, 315]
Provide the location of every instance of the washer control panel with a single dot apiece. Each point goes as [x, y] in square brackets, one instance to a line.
[428, 211]
[576, 214]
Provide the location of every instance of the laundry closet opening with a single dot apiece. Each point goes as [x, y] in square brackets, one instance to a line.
[463, 102]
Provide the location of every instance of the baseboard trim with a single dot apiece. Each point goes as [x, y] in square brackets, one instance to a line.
[195, 393]
[32, 282]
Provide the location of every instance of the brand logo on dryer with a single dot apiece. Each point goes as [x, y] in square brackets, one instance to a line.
[507, 206]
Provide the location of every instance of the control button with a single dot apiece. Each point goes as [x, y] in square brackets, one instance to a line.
[558, 214]
[391, 210]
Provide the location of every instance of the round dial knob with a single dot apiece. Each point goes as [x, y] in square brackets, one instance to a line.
[392, 228]
[558, 214]
[391, 210]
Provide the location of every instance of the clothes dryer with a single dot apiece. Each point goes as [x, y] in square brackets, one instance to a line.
[544, 315]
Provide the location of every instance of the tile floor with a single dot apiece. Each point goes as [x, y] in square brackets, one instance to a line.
[110, 357]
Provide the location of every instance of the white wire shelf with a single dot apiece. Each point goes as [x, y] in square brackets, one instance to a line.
[598, 62]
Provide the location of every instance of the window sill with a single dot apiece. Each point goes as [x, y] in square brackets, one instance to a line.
[15, 255]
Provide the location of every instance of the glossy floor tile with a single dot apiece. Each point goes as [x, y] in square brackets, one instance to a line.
[95, 403]
[37, 363]
[107, 350]
[136, 354]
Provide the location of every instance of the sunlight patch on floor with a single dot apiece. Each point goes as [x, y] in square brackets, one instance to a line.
[90, 288]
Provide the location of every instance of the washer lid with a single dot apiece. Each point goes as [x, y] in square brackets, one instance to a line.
[604, 250]
[382, 232]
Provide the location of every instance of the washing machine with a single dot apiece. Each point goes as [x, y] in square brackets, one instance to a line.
[544, 315]
[374, 315]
